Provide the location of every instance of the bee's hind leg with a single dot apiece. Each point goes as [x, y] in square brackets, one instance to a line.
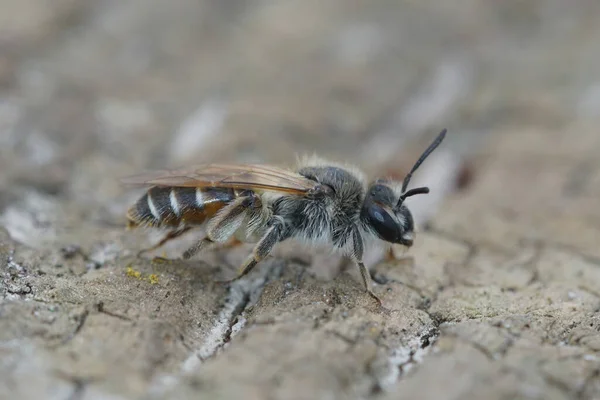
[262, 249]
[168, 237]
[198, 247]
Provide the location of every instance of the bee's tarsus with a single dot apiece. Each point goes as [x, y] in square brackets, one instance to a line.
[262, 249]
[377, 299]
[366, 277]
[167, 238]
[198, 247]
[163, 260]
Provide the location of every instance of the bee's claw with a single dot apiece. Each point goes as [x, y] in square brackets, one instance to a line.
[163, 260]
[377, 299]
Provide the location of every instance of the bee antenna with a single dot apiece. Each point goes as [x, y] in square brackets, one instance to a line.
[412, 192]
[426, 153]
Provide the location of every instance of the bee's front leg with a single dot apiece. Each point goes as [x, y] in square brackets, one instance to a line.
[366, 277]
[357, 253]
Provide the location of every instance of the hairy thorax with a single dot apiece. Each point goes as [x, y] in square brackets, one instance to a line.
[327, 219]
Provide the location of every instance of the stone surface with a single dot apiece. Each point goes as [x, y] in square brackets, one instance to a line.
[499, 296]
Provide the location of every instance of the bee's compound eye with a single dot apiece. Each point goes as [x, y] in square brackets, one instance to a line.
[378, 216]
[383, 223]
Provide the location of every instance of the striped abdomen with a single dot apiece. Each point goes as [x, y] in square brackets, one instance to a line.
[174, 206]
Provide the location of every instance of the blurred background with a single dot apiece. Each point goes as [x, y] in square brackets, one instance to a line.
[91, 91]
[94, 90]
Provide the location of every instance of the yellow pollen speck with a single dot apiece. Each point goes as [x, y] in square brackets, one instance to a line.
[133, 273]
[153, 279]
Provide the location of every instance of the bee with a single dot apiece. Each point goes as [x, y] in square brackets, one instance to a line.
[319, 202]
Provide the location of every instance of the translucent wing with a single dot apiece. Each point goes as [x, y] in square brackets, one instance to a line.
[237, 176]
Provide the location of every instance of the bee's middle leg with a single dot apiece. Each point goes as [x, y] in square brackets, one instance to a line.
[262, 249]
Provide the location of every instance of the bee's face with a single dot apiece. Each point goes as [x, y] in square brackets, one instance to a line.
[392, 224]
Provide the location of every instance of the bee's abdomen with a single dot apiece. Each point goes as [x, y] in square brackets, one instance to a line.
[174, 206]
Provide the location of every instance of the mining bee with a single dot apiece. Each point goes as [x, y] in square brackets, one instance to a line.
[319, 202]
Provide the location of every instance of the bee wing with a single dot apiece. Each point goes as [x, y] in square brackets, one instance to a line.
[237, 176]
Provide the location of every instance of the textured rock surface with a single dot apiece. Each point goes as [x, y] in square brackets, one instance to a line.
[498, 298]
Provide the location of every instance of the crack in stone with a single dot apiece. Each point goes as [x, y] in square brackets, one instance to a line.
[405, 358]
[242, 294]
[82, 319]
[100, 309]
[416, 356]
[477, 346]
[349, 341]
[79, 386]
[410, 356]
[548, 244]
[556, 383]
[588, 381]
[20, 290]
[235, 317]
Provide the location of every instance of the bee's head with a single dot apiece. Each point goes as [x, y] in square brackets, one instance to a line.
[384, 211]
[386, 216]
